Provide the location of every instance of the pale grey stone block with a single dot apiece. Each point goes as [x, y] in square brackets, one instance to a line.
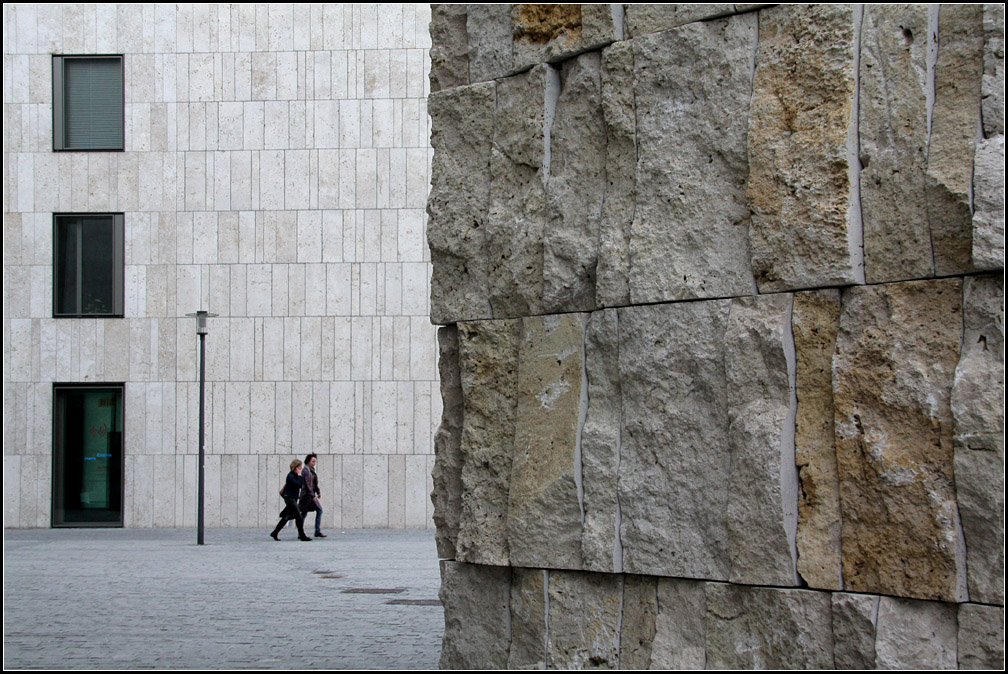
[652, 18]
[980, 639]
[584, 619]
[989, 204]
[854, 622]
[637, 621]
[680, 625]
[477, 620]
[491, 51]
[528, 619]
[375, 486]
[993, 103]
[449, 52]
[914, 634]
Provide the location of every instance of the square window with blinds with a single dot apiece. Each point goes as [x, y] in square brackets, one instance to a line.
[88, 103]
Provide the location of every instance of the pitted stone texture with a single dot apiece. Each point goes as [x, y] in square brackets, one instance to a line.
[612, 278]
[981, 638]
[576, 187]
[491, 50]
[804, 224]
[763, 482]
[653, 18]
[447, 473]
[978, 414]
[637, 624]
[913, 634]
[993, 88]
[957, 82]
[854, 618]
[690, 233]
[488, 360]
[814, 321]
[462, 122]
[584, 613]
[475, 600]
[600, 444]
[518, 215]
[989, 204]
[893, 130]
[528, 619]
[673, 490]
[449, 52]
[544, 514]
[680, 626]
[764, 628]
[544, 33]
[897, 348]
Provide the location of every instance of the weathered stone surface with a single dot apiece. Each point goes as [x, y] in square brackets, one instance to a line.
[989, 204]
[957, 79]
[575, 188]
[674, 457]
[978, 415]
[491, 50]
[447, 473]
[652, 18]
[612, 277]
[896, 352]
[544, 32]
[689, 237]
[462, 122]
[764, 628]
[814, 322]
[600, 444]
[993, 87]
[488, 361]
[680, 625]
[763, 481]
[518, 216]
[601, 24]
[893, 130]
[544, 514]
[913, 634]
[805, 227]
[528, 619]
[637, 625]
[981, 639]
[854, 617]
[449, 52]
[584, 613]
[475, 601]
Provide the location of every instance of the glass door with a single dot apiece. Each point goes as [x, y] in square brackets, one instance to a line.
[87, 455]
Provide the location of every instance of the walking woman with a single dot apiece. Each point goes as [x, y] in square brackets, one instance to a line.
[291, 492]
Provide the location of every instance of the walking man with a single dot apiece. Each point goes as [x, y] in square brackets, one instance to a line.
[311, 498]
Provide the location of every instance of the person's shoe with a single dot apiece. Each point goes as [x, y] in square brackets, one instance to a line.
[274, 536]
[319, 534]
[304, 538]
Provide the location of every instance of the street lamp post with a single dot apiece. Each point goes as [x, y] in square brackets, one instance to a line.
[201, 330]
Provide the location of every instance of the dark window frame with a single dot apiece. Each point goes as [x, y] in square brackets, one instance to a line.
[118, 265]
[59, 103]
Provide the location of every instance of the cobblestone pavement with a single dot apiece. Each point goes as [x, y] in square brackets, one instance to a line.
[152, 598]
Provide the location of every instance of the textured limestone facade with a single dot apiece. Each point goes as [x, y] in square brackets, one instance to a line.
[275, 172]
[723, 356]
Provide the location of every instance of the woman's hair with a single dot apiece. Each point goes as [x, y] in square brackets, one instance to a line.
[310, 457]
[295, 463]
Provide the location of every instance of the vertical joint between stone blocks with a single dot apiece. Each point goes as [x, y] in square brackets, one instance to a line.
[789, 469]
[855, 235]
[551, 96]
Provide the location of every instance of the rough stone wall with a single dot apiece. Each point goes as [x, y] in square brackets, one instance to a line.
[723, 346]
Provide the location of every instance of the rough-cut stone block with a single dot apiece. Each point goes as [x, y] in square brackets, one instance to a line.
[805, 224]
[637, 624]
[893, 129]
[957, 79]
[576, 187]
[814, 322]
[488, 361]
[673, 490]
[993, 87]
[491, 51]
[462, 121]
[447, 474]
[912, 634]
[475, 601]
[764, 628]
[654, 17]
[897, 348]
[680, 625]
[449, 52]
[600, 444]
[989, 204]
[612, 281]
[978, 415]
[528, 619]
[518, 215]
[981, 639]
[550, 33]
[584, 613]
[854, 617]
[544, 510]
[763, 481]
[689, 237]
